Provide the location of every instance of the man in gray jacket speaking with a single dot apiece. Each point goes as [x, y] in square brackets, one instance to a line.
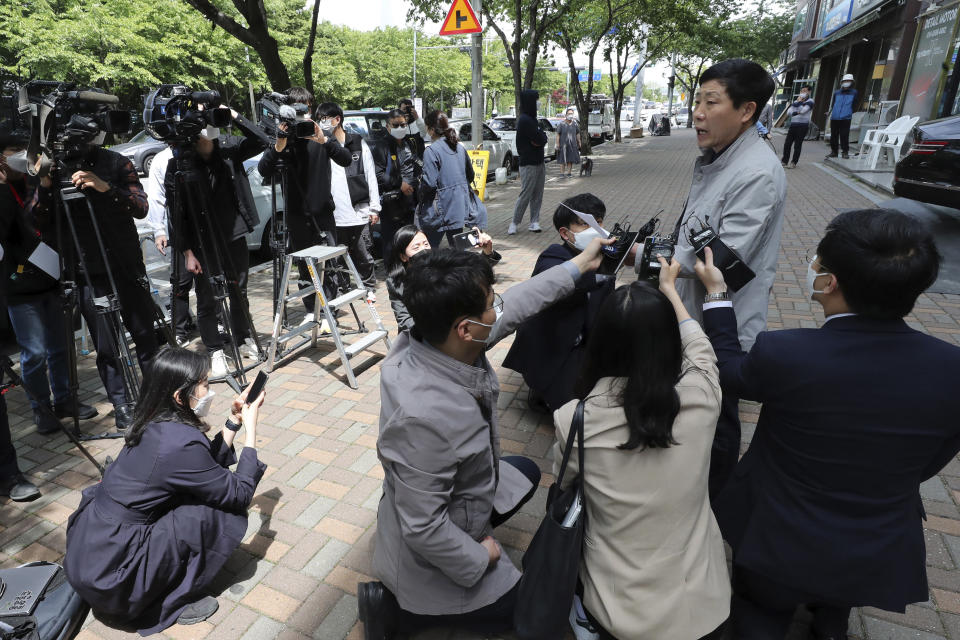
[445, 485]
[738, 190]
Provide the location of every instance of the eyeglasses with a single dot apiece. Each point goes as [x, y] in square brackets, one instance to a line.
[497, 304]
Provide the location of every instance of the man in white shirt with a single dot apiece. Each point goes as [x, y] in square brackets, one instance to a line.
[356, 195]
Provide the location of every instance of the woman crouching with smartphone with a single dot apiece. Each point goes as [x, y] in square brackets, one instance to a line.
[147, 540]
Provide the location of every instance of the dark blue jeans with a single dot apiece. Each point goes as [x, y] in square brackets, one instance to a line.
[39, 327]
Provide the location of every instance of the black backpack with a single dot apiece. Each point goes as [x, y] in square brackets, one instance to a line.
[37, 603]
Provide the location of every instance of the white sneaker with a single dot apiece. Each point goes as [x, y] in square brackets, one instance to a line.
[534, 226]
[218, 364]
[512, 229]
[249, 349]
[308, 318]
[325, 327]
[582, 628]
[371, 297]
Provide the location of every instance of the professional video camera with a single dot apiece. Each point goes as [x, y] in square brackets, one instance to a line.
[654, 246]
[274, 109]
[63, 119]
[176, 113]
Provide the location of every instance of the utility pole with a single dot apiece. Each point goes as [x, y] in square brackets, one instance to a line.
[413, 92]
[638, 102]
[670, 83]
[477, 64]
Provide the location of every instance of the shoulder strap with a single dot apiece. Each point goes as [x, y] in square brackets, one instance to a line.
[576, 428]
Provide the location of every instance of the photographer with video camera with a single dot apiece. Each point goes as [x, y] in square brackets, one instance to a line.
[32, 295]
[308, 201]
[398, 160]
[417, 129]
[113, 190]
[737, 196]
[234, 215]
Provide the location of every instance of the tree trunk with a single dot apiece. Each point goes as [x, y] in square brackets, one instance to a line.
[308, 54]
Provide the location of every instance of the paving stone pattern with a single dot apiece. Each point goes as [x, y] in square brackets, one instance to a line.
[311, 525]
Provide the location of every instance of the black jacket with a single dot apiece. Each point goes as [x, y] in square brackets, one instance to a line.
[531, 139]
[19, 236]
[309, 201]
[549, 347]
[855, 416]
[396, 163]
[235, 213]
[115, 212]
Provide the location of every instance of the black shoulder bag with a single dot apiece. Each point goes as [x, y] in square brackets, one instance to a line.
[551, 563]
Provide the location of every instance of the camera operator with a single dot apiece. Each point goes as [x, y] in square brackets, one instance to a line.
[233, 216]
[32, 295]
[308, 203]
[112, 187]
[159, 223]
[398, 177]
[418, 128]
[356, 196]
[738, 190]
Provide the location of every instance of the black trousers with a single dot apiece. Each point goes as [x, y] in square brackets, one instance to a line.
[726, 445]
[180, 294]
[795, 135]
[236, 265]
[355, 238]
[493, 618]
[762, 609]
[839, 135]
[137, 312]
[8, 455]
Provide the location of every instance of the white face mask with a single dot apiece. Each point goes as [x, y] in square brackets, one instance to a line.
[812, 278]
[803, 96]
[211, 132]
[204, 403]
[399, 132]
[581, 239]
[327, 127]
[493, 327]
[846, 85]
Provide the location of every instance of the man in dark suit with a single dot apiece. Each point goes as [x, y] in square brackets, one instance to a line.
[549, 347]
[824, 508]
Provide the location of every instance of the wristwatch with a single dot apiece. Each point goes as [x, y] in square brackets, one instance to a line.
[722, 296]
[233, 426]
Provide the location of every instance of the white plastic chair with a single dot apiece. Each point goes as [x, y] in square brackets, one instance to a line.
[890, 137]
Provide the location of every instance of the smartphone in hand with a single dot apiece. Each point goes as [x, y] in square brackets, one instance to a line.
[256, 387]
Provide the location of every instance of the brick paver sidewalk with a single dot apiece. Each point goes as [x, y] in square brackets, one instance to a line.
[312, 521]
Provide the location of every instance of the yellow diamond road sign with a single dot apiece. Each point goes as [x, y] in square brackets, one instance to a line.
[460, 19]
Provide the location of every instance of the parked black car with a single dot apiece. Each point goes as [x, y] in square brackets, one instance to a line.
[930, 171]
[140, 150]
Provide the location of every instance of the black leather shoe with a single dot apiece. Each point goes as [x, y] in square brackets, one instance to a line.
[378, 611]
[19, 489]
[124, 416]
[65, 410]
[46, 423]
[198, 611]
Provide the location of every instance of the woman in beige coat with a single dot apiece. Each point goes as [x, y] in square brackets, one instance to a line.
[653, 563]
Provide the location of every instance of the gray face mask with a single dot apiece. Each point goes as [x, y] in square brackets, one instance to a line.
[18, 161]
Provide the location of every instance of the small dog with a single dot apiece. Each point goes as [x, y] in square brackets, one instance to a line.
[586, 167]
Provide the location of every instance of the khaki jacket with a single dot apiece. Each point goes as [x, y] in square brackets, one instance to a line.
[440, 449]
[653, 561]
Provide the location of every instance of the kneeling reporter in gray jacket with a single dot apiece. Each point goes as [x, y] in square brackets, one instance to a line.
[445, 485]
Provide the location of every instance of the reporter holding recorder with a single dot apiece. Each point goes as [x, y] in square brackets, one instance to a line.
[147, 541]
[653, 564]
[445, 486]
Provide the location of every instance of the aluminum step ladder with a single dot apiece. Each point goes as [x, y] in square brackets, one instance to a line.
[284, 341]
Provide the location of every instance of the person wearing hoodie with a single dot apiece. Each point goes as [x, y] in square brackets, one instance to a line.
[530, 144]
[842, 106]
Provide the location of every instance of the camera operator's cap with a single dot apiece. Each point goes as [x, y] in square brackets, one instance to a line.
[847, 78]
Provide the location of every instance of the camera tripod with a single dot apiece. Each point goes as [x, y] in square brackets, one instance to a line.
[68, 203]
[279, 235]
[193, 206]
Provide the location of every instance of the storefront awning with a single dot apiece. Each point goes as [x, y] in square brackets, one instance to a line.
[857, 23]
